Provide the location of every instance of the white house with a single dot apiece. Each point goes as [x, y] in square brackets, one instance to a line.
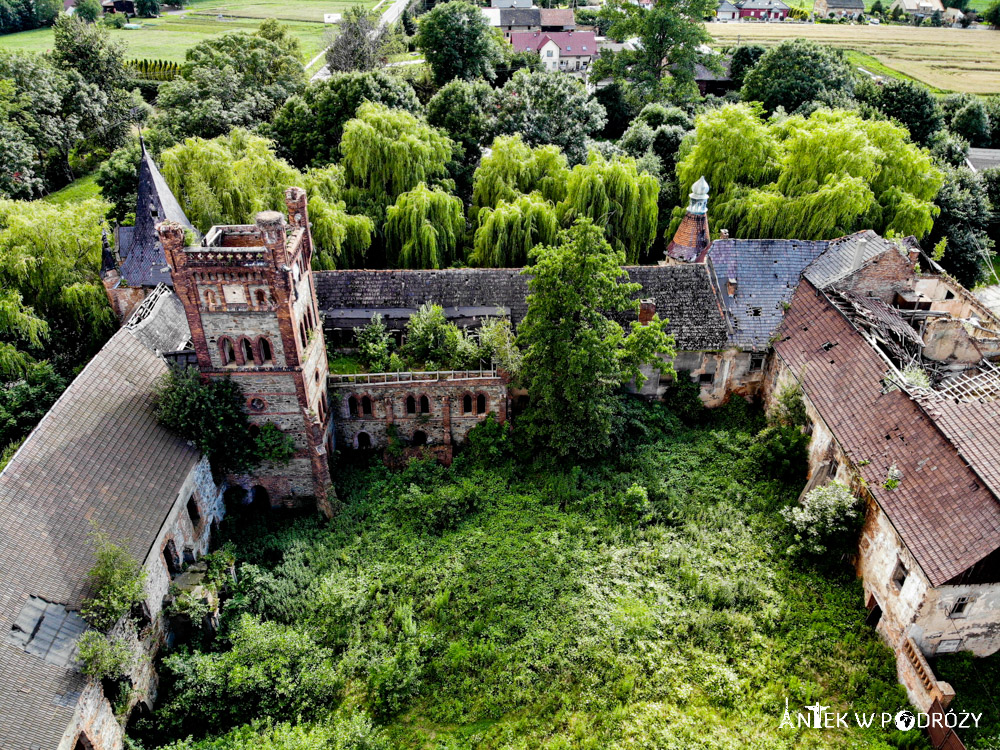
[559, 50]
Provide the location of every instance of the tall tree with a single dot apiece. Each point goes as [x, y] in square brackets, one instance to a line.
[576, 357]
[797, 72]
[743, 60]
[507, 233]
[809, 178]
[53, 302]
[463, 110]
[308, 127]
[361, 42]
[964, 222]
[617, 196]
[274, 31]
[423, 228]
[513, 169]
[87, 11]
[387, 152]
[229, 179]
[913, 105]
[672, 35]
[549, 107]
[232, 80]
[457, 42]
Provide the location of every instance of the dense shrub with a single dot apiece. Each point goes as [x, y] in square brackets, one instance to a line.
[104, 658]
[827, 521]
[683, 399]
[118, 583]
[432, 341]
[374, 344]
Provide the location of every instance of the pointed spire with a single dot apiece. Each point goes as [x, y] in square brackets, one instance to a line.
[692, 241]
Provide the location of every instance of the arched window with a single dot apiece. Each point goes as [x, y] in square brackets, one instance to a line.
[352, 406]
[425, 405]
[261, 296]
[227, 352]
[467, 404]
[266, 355]
[366, 406]
[246, 349]
[364, 441]
[481, 403]
[322, 407]
[210, 298]
[83, 742]
[411, 405]
[419, 438]
[303, 334]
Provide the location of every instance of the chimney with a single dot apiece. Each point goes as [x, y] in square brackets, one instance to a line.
[691, 241]
[172, 239]
[295, 202]
[272, 229]
[723, 234]
[731, 287]
[647, 309]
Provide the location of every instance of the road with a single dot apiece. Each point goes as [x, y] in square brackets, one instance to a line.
[389, 16]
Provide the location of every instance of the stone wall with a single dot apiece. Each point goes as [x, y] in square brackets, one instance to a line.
[453, 407]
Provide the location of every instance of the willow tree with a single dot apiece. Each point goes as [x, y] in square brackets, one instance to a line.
[229, 179]
[50, 289]
[617, 196]
[423, 228]
[387, 152]
[811, 178]
[507, 233]
[513, 169]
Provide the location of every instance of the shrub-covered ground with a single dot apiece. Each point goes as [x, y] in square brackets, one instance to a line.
[975, 682]
[644, 602]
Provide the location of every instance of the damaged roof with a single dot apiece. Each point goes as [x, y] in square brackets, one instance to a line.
[946, 515]
[99, 458]
[683, 294]
[844, 256]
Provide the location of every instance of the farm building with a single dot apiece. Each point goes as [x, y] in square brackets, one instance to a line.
[838, 8]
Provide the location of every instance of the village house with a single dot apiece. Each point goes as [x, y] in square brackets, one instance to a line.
[917, 7]
[763, 10]
[727, 11]
[566, 50]
[839, 8]
[557, 19]
[516, 20]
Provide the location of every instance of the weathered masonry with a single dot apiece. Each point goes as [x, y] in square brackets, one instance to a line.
[249, 299]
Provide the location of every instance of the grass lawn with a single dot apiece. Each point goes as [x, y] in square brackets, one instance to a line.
[642, 602]
[79, 190]
[966, 60]
[169, 37]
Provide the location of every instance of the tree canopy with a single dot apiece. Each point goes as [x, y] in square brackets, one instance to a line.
[229, 179]
[576, 357]
[549, 108]
[387, 152]
[797, 72]
[913, 105]
[457, 42]
[513, 169]
[308, 127]
[963, 223]
[423, 228]
[813, 177]
[231, 80]
[507, 233]
[360, 44]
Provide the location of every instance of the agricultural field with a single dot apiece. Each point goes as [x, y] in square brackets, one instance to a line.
[964, 60]
[171, 36]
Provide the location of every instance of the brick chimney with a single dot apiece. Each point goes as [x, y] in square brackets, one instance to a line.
[691, 241]
[298, 216]
[272, 230]
[647, 309]
[172, 238]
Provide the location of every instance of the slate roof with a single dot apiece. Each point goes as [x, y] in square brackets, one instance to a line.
[766, 273]
[520, 17]
[946, 516]
[855, 5]
[683, 294]
[983, 158]
[143, 260]
[97, 456]
[561, 17]
[575, 43]
[846, 255]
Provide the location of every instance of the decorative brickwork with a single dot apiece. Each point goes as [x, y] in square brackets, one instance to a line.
[250, 303]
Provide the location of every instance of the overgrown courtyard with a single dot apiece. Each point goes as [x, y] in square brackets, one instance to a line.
[644, 601]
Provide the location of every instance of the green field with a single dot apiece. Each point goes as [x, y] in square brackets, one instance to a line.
[170, 37]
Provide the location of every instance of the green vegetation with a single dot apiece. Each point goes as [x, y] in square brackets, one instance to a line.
[81, 189]
[117, 580]
[974, 679]
[104, 658]
[643, 601]
[210, 412]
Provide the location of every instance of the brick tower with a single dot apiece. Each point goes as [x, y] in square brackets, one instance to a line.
[251, 305]
[691, 241]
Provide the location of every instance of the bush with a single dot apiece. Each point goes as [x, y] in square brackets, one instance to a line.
[497, 339]
[272, 445]
[374, 344]
[488, 443]
[778, 452]
[683, 398]
[352, 733]
[115, 20]
[788, 408]
[632, 506]
[119, 584]
[434, 342]
[104, 658]
[827, 520]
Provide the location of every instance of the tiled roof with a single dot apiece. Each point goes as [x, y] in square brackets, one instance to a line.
[983, 158]
[557, 17]
[846, 255]
[98, 457]
[691, 238]
[682, 293]
[763, 4]
[520, 17]
[974, 428]
[766, 273]
[143, 261]
[947, 518]
[573, 43]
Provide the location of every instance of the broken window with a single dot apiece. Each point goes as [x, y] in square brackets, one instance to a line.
[192, 508]
[171, 559]
[226, 351]
[960, 608]
[706, 377]
[756, 362]
[411, 405]
[467, 404]
[899, 575]
[481, 403]
[425, 405]
[247, 350]
[366, 406]
[352, 406]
